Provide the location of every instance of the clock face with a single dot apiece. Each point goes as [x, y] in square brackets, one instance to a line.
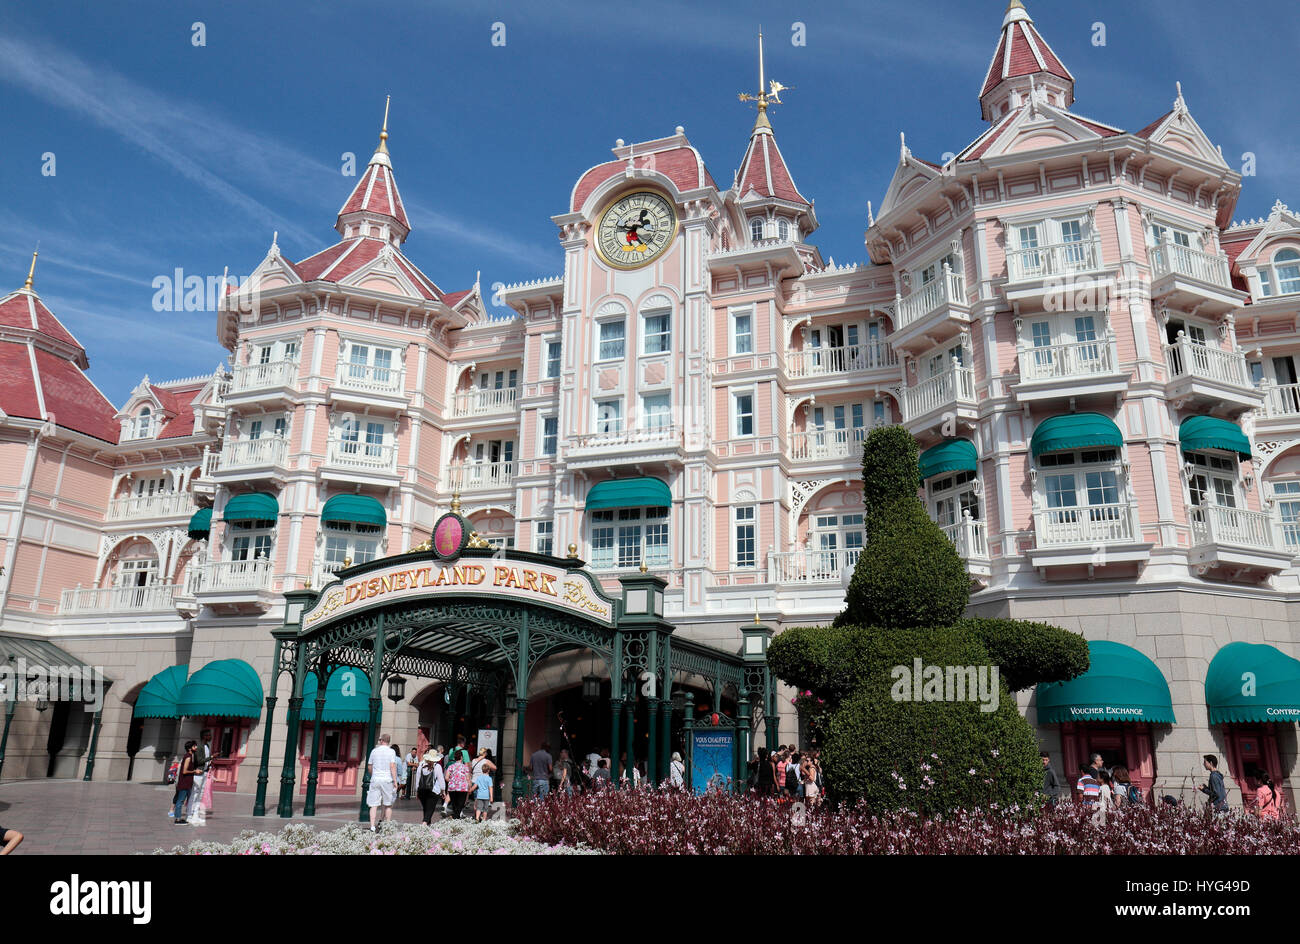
[635, 229]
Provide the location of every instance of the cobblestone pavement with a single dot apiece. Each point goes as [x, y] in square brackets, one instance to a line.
[71, 817]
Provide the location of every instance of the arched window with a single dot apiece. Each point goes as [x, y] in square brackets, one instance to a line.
[1287, 265]
[756, 229]
[783, 229]
[144, 423]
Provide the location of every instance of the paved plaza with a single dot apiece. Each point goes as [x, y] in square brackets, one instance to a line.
[71, 817]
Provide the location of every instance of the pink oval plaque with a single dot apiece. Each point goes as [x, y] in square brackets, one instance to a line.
[449, 536]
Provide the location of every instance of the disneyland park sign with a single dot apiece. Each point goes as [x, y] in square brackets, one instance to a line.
[496, 577]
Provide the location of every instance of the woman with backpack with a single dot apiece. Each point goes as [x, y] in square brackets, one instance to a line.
[1127, 793]
[1268, 800]
[430, 784]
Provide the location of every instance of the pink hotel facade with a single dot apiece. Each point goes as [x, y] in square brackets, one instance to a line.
[1098, 364]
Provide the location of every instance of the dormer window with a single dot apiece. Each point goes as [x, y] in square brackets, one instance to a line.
[144, 424]
[1285, 269]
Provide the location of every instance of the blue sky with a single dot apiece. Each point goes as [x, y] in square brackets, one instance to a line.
[175, 156]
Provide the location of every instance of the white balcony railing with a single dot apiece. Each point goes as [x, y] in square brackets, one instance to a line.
[1282, 399]
[235, 575]
[942, 391]
[1172, 259]
[477, 476]
[211, 463]
[969, 537]
[368, 379]
[1188, 358]
[810, 565]
[1041, 262]
[322, 572]
[1216, 524]
[1084, 525]
[948, 289]
[484, 402]
[827, 443]
[1073, 359]
[154, 597]
[358, 454]
[250, 377]
[159, 505]
[621, 437]
[843, 359]
[254, 453]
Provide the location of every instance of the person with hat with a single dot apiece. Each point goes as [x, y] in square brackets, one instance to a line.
[430, 783]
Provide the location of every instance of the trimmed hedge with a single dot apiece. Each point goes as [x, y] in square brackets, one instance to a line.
[1028, 653]
[909, 573]
[889, 470]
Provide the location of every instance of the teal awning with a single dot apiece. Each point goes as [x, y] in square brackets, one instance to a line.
[255, 506]
[1252, 682]
[1209, 432]
[347, 696]
[201, 523]
[1075, 431]
[227, 688]
[1121, 684]
[354, 509]
[630, 493]
[161, 695]
[951, 455]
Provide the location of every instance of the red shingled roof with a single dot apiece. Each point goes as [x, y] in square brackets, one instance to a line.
[681, 165]
[763, 169]
[345, 258]
[17, 391]
[26, 310]
[178, 402]
[1151, 128]
[376, 192]
[1015, 55]
[71, 400]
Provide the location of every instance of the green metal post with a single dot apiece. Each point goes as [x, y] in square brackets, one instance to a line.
[652, 742]
[665, 738]
[742, 740]
[264, 772]
[616, 717]
[309, 805]
[629, 715]
[289, 772]
[94, 741]
[771, 719]
[519, 787]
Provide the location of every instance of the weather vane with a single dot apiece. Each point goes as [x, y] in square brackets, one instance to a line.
[768, 92]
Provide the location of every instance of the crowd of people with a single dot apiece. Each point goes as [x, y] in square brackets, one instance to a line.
[1106, 790]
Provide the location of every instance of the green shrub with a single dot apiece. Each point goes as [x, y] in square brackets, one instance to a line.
[889, 470]
[909, 573]
[877, 748]
[1028, 653]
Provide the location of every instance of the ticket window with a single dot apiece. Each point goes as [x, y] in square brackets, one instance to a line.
[1118, 742]
[1251, 747]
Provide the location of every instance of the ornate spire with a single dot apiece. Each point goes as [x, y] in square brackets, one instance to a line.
[383, 132]
[1022, 53]
[763, 169]
[31, 272]
[767, 93]
[375, 198]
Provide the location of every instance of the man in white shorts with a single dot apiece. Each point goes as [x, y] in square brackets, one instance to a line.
[383, 781]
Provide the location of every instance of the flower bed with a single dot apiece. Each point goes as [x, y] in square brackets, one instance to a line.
[447, 837]
[678, 823]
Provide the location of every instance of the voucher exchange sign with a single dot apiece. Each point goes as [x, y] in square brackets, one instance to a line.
[493, 577]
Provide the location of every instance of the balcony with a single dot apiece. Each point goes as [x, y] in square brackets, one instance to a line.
[841, 360]
[234, 585]
[159, 505]
[1073, 369]
[819, 445]
[812, 565]
[1237, 540]
[1281, 400]
[369, 386]
[357, 460]
[1045, 276]
[484, 402]
[241, 456]
[970, 538]
[622, 446]
[948, 395]
[1209, 378]
[1090, 536]
[154, 598]
[273, 380]
[1186, 278]
[479, 476]
[932, 312]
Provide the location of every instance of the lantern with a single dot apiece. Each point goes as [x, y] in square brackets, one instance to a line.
[396, 689]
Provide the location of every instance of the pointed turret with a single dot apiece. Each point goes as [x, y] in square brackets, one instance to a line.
[375, 207]
[763, 178]
[1023, 66]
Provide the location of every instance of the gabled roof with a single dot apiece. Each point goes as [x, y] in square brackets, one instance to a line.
[178, 403]
[1034, 119]
[1177, 129]
[1281, 221]
[763, 170]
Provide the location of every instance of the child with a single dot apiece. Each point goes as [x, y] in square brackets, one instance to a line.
[483, 796]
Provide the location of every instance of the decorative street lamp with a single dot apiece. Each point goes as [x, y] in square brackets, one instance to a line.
[396, 689]
[591, 689]
[679, 699]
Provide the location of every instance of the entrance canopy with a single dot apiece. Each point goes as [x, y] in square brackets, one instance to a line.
[347, 696]
[630, 493]
[1249, 682]
[161, 695]
[1121, 684]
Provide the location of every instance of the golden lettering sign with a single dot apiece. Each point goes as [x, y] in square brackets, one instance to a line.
[494, 577]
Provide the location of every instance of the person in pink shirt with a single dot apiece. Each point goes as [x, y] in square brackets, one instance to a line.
[1268, 802]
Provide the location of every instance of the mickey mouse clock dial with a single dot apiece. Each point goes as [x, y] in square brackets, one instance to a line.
[635, 230]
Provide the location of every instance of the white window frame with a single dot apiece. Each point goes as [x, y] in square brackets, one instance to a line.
[1082, 462]
[734, 336]
[601, 342]
[744, 518]
[603, 425]
[552, 365]
[341, 540]
[757, 229]
[666, 335]
[544, 537]
[1219, 473]
[737, 416]
[1270, 279]
[543, 436]
[627, 530]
